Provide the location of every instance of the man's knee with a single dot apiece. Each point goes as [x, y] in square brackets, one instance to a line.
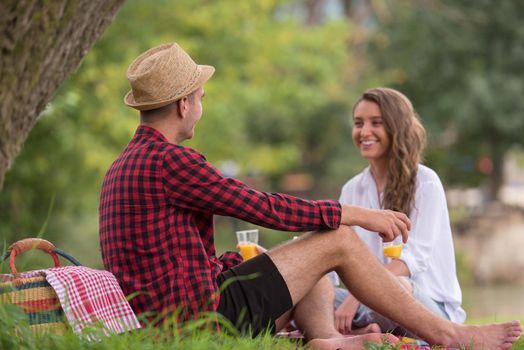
[345, 238]
[333, 246]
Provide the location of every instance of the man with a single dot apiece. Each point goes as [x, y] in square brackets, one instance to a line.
[156, 232]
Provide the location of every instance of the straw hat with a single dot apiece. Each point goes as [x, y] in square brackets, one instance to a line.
[162, 75]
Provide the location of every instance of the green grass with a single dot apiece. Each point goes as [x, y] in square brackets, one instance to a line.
[16, 334]
[519, 345]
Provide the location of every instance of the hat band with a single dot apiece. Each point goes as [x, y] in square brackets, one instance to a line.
[181, 93]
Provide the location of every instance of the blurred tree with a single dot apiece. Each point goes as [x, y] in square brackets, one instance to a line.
[41, 44]
[314, 11]
[285, 98]
[278, 103]
[460, 62]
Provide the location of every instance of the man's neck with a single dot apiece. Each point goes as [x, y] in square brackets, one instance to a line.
[169, 132]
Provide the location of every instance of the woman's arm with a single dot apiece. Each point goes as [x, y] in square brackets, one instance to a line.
[345, 313]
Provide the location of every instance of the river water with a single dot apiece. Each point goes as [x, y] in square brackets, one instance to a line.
[495, 303]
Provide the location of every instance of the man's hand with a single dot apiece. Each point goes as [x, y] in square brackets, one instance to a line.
[388, 223]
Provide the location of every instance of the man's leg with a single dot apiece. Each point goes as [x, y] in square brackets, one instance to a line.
[366, 320]
[320, 300]
[314, 315]
[304, 261]
[366, 316]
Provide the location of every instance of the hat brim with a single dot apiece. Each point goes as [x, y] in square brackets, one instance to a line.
[206, 73]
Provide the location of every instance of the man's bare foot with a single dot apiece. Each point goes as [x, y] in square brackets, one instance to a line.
[356, 342]
[370, 328]
[499, 336]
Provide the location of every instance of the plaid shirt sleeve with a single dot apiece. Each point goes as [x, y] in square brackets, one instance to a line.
[193, 183]
[230, 259]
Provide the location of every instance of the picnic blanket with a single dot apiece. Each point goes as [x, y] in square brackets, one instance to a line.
[90, 297]
[417, 344]
[405, 342]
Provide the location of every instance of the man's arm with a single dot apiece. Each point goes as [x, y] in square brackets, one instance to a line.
[192, 183]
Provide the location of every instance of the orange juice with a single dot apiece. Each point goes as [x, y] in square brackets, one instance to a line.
[248, 250]
[393, 251]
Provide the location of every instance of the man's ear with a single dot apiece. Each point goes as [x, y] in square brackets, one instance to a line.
[183, 107]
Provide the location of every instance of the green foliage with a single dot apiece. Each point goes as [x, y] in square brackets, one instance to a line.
[277, 103]
[464, 270]
[460, 63]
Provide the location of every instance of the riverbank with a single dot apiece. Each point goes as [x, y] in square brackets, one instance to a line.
[493, 303]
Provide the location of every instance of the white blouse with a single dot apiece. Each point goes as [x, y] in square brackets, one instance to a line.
[429, 253]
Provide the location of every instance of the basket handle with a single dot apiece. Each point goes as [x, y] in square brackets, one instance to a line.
[36, 243]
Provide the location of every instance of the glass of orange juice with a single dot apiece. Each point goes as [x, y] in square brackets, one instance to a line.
[247, 243]
[393, 249]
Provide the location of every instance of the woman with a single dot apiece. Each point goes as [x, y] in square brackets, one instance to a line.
[388, 133]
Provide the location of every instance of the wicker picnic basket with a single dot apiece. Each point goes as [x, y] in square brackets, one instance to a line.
[33, 294]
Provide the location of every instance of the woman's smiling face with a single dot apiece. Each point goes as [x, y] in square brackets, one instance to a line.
[369, 133]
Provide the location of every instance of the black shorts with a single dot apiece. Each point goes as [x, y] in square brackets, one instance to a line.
[254, 296]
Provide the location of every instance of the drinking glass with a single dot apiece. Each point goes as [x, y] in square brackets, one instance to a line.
[393, 249]
[247, 243]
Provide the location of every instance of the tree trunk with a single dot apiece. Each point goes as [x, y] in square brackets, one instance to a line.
[346, 5]
[314, 11]
[496, 179]
[41, 43]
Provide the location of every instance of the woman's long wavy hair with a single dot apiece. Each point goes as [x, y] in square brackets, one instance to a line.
[408, 140]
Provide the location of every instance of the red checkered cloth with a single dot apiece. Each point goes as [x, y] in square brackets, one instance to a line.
[92, 297]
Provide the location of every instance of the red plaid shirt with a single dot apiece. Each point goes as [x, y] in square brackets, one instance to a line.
[156, 223]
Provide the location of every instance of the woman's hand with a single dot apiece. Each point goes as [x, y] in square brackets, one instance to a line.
[345, 313]
[260, 249]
